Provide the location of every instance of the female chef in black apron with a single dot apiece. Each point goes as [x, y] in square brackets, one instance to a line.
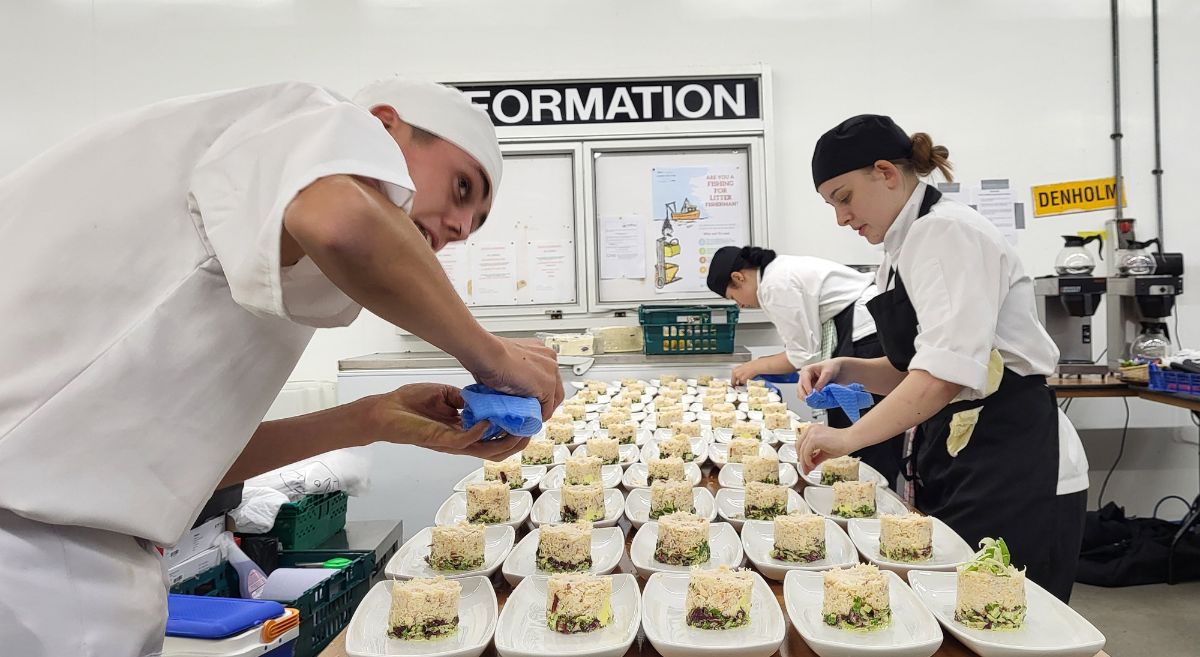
[966, 358]
[819, 308]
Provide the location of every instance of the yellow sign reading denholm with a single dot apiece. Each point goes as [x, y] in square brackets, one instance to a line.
[1076, 196]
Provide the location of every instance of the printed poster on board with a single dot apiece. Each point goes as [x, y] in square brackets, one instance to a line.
[696, 211]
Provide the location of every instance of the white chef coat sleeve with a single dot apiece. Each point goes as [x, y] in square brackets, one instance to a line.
[250, 174]
[956, 278]
[796, 316]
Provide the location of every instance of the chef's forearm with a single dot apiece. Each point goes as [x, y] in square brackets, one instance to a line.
[918, 397]
[875, 374]
[279, 442]
[374, 252]
[777, 364]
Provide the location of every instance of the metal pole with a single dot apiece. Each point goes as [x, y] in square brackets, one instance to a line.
[1158, 172]
[1116, 80]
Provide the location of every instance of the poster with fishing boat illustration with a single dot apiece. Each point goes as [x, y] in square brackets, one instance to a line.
[696, 211]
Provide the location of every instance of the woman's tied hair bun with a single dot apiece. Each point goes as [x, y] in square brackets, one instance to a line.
[926, 157]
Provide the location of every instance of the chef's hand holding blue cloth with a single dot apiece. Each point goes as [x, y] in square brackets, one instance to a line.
[491, 425]
[850, 398]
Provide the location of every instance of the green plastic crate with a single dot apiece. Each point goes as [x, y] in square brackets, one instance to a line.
[687, 329]
[219, 581]
[326, 609]
[310, 522]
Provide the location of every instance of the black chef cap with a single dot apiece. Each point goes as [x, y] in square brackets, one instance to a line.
[858, 142]
[720, 269]
[729, 259]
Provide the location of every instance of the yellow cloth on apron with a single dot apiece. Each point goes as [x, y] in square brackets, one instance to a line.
[962, 424]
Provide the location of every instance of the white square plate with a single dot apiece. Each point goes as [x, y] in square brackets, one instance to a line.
[367, 635]
[731, 505]
[723, 435]
[628, 454]
[636, 476]
[608, 545]
[532, 473]
[949, 549]
[593, 430]
[558, 455]
[758, 539]
[1051, 628]
[637, 505]
[787, 453]
[546, 510]
[454, 509]
[663, 617]
[718, 453]
[699, 450]
[913, 631]
[865, 473]
[725, 548]
[409, 560]
[731, 475]
[821, 501]
[610, 477]
[522, 631]
[665, 432]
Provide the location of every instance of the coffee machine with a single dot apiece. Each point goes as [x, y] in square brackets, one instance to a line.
[1065, 306]
[1142, 287]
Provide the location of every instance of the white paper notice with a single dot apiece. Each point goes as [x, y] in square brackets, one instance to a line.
[553, 278]
[622, 247]
[457, 267]
[996, 203]
[493, 273]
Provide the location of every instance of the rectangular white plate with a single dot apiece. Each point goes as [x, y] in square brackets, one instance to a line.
[663, 617]
[454, 509]
[821, 501]
[724, 546]
[608, 545]
[758, 539]
[731, 476]
[409, 560]
[718, 453]
[636, 476]
[637, 505]
[913, 631]
[1051, 628]
[522, 632]
[610, 477]
[531, 473]
[547, 508]
[949, 549]
[367, 635]
[731, 505]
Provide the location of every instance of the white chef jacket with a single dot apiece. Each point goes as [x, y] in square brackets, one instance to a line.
[800, 293]
[972, 295]
[149, 323]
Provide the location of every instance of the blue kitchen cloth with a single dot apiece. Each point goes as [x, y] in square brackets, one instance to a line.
[852, 399]
[519, 416]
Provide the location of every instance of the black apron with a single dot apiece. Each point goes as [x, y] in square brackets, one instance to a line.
[1004, 482]
[886, 457]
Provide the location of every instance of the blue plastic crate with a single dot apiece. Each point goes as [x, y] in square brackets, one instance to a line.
[1183, 383]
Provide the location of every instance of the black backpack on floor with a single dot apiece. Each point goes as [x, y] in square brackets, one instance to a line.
[1120, 551]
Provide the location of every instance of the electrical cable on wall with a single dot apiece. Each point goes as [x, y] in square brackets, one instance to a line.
[1120, 453]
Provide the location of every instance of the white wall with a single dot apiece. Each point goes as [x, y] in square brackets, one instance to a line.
[1017, 89]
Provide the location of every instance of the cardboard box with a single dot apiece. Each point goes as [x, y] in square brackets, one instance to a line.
[199, 563]
[195, 541]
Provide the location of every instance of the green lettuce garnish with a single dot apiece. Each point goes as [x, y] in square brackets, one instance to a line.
[993, 557]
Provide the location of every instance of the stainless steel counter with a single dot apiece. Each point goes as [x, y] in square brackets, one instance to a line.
[434, 360]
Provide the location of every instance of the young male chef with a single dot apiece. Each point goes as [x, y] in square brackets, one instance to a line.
[164, 271]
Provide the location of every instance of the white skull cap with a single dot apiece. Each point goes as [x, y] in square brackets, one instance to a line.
[442, 111]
